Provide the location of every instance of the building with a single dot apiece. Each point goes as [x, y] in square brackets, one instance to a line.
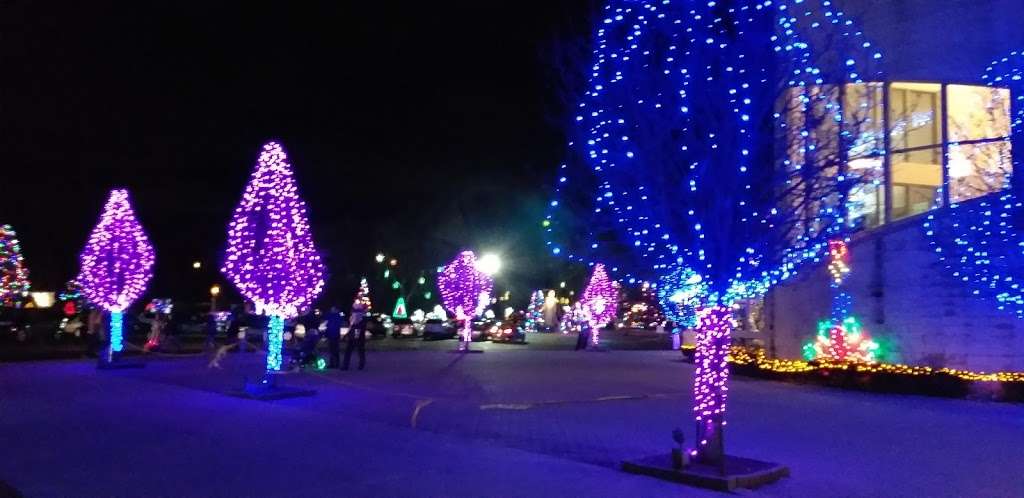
[934, 134]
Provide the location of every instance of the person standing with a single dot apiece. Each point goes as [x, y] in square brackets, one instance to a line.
[581, 322]
[333, 333]
[211, 330]
[356, 335]
[156, 330]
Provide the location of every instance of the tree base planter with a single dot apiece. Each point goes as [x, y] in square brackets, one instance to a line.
[267, 389]
[739, 472]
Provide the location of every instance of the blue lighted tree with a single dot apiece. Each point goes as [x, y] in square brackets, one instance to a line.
[711, 143]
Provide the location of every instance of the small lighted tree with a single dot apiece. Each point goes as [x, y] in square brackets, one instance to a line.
[270, 255]
[14, 282]
[462, 284]
[841, 337]
[535, 312]
[363, 296]
[600, 298]
[116, 264]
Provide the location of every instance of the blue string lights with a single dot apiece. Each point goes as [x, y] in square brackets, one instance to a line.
[678, 170]
[676, 138]
[978, 241]
[979, 244]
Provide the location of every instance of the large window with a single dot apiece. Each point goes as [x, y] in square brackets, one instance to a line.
[943, 143]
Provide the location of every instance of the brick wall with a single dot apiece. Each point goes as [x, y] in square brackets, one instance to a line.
[906, 300]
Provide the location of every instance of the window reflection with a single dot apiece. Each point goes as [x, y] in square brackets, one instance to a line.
[977, 112]
[977, 169]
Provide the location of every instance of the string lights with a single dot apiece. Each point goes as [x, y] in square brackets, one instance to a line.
[680, 292]
[462, 287]
[743, 356]
[534, 312]
[674, 152]
[116, 264]
[599, 298]
[363, 295]
[14, 283]
[978, 241]
[841, 337]
[270, 255]
[710, 389]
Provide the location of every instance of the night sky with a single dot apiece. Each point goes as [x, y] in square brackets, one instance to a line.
[415, 128]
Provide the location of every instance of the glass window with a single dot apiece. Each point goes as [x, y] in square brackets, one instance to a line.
[865, 203]
[914, 111]
[863, 119]
[916, 181]
[978, 169]
[818, 175]
[977, 112]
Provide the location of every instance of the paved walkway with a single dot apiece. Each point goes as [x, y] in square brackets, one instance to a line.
[504, 423]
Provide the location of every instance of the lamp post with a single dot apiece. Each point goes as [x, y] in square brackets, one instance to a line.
[214, 292]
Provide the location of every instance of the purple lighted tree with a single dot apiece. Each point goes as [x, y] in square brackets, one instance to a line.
[600, 299]
[116, 264]
[462, 284]
[270, 255]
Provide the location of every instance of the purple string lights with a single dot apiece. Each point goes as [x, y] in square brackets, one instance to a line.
[117, 263]
[600, 298]
[270, 255]
[710, 389]
[462, 284]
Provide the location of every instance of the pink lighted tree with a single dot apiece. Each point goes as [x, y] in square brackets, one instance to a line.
[600, 298]
[462, 284]
[270, 255]
[116, 264]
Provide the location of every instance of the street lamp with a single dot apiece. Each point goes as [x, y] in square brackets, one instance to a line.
[489, 264]
[393, 262]
[379, 258]
[214, 292]
[197, 265]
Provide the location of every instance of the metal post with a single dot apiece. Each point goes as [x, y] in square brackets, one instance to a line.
[945, 146]
[886, 157]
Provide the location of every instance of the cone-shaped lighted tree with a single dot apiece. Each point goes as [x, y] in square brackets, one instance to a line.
[116, 264]
[599, 298]
[462, 284]
[363, 296]
[14, 282]
[270, 255]
[535, 311]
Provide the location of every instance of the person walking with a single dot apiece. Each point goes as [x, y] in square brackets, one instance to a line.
[333, 333]
[356, 335]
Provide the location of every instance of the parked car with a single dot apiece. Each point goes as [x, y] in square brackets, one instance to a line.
[482, 328]
[509, 330]
[435, 328]
[377, 326]
[403, 327]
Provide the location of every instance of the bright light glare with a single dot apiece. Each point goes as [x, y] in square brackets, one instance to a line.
[489, 264]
